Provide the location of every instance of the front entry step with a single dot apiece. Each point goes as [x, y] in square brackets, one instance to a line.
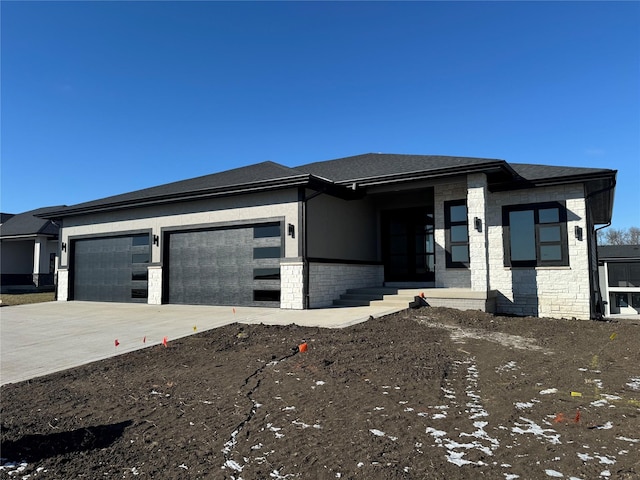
[379, 296]
[459, 298]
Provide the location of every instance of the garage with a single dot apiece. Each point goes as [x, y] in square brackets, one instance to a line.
[237, 265]
[111, 269]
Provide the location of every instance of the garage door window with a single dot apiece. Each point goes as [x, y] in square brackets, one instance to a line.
[266, 231]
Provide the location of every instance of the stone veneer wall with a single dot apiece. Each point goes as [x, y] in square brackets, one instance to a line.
[63, 285]
[292, 284]
[154, 284]
[558, 292]
[448, 277]
[327, 281]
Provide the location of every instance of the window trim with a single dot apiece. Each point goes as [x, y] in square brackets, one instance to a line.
[449, 244]
[536, 207]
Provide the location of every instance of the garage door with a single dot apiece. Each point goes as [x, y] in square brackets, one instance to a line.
[231, 266]
[111, 269]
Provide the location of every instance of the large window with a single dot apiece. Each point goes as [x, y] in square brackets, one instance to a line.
[457, 234]
[535, 235]
[625, 274]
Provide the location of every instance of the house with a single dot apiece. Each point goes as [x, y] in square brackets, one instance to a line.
[28, 246]
[619, 267]
[465, 232]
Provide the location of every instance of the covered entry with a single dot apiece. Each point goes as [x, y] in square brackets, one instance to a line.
[111, 269]
[408, 247]
[237, 265]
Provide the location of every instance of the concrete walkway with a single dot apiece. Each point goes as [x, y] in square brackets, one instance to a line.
[43, 338]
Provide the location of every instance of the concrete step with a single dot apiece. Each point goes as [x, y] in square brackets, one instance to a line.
[351, 303]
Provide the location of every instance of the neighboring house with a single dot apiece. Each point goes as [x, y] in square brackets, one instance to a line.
[620, 278]
[28, 247]
[467, 232]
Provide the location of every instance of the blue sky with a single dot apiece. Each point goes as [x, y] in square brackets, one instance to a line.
[101, 98]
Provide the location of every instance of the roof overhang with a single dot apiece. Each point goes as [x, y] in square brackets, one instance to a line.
[492, 168]
[306, 181]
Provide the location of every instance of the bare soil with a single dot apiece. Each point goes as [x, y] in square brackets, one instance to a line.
[426, 393]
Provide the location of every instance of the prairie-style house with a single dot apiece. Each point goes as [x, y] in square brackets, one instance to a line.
[464, 232]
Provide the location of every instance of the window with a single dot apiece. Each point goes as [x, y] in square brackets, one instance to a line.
[457, 234]
[535, 235]
[266, 231]
[266, 273]
[266, 252]
[266, 295]
[624, 274]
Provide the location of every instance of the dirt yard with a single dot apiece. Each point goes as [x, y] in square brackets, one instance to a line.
[427, 393]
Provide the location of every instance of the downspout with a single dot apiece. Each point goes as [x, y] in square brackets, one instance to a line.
[305, 245]
[598, 305]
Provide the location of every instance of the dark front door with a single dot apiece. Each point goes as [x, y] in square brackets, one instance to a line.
[408, 245]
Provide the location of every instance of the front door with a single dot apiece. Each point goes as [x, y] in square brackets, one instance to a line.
[408, 245]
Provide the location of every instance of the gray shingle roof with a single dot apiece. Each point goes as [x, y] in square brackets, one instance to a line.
[612, 252]
[533, 172]
[366, 169]
[377, 165]
[25, 224]
[252, 175]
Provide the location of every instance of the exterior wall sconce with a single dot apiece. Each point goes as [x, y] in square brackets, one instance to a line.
[477, 222]
[291, 230]
[579, 233]
[63, 247]
[156, 240]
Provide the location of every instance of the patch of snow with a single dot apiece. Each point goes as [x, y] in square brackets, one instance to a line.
[606, 460]
[507, 366]
[610, 397]
[436, 433]
[634, 384]
[320, 382]
[511, 476]
[523, 405]
[288, 409]
[183, 466]
[378, 408]
[438, 416]
[533, 428]
[553, 473]
[626, 439]
[606, 426]
[585, 457]
[605, 473]
[548, 391]
[360, 465]
[599, 403]
[380, 433]
[408, 409]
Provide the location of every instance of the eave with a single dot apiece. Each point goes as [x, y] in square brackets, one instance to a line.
[308, 181]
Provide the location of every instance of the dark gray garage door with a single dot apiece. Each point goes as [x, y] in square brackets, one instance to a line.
[111, 269]
[232, 266]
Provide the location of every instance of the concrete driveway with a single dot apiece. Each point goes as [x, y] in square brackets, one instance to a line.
[43, 338]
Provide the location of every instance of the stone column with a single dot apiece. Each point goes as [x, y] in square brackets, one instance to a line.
[292, 283]
[154, 285]
[476, 211]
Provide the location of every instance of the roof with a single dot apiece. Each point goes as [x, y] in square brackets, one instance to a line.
[373, 168]
[28, 224]
[618, 252]
[338, 177]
